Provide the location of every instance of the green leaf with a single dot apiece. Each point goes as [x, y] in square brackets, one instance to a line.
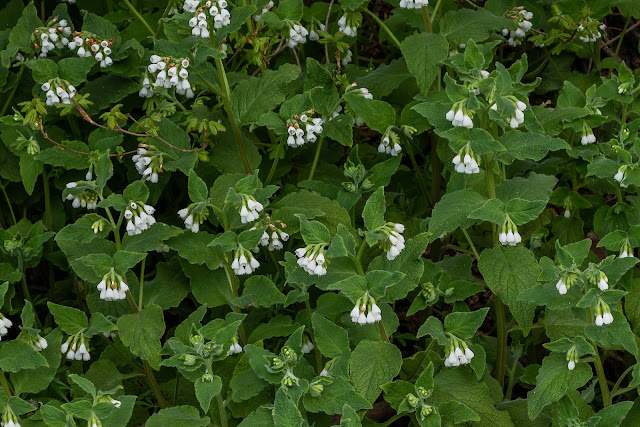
[257, 95]
[18, 355]
[373, 364]
[349, 417]
[84, 384]
[141, 333]
[314, 232]
[378, 115]
[36, 380]
[615, 335]
[285, 411]
[331, 339]
[528, 146]
[509, 271]
[465, 324]
[260, 291]
[177, 416]
[207, 390]
[137, 191]
[434, 328]
[454, 25]
[198, 191]
[290, 9]
[75, 70]
[334, 396]
[43, 70]
[452, 211]
[423, 53]
[340, 129]
[374, 210]
[71, 320]
[553, 382]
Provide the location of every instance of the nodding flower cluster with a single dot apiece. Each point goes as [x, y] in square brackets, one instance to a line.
[272, 237]
[217, 9]
[603, 313]
[394, 244]
[587, 135]
[601, 280]
[75, 351]
[365, 304]
[303, 129]
[139, 217]
[621, 175]
[349, 25]
[38, 342]
[307, 346]
[166, 72]
[244, 262]
[565, 282]
[9, 419]
[297, 35]
[5, 324]
[589, 31]
[390, 144]
[313, 34]
[58, 90]
[518, 116]
[311, 258]
[249, 209]
[466, 161]
[148, 160]
[112, 287]
[347, 58]
[267, 7]
[460, 116]
[235, 347]
[194, 215]
[86, 44]
[459, 353]
[509, 233]
[572, 357]
[413, 4]
[53, 37]
[522, 18]
[626, 250]
[88, 198]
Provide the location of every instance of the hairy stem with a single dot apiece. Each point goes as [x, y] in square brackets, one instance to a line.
[383, 26]
[141, 284]
[5, 384]
[226, 96]
[313, 337]
[223, 414]
[140, 17]
[7, 103]
[6, 197]
[315, 159]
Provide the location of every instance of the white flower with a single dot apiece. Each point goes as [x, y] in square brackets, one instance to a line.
[571, 365]
[603, 285]
[561, 287]
[347, 30]
[599, 320]
[312, 260]
[297, 35]
[242, 265]
[413, 4]
[607, 318]
[307, 347]
[347, 58]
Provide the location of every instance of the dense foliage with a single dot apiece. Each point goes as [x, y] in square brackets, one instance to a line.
[324, 213]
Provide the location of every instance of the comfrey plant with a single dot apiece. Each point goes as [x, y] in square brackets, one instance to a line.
[288, 213]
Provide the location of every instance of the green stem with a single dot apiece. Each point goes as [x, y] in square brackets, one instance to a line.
[231, 277]
[226, 96]
[315, 159]
[151, 379]
[43, 12]
[427, 20]
[6, 197]
[47, 201]
[25, 289]
[416, 170]
[473, 247]
[5, 384]
[311, 333]
[502, 340]
[176, 389]
[623, 391]
[116, 228]
[383, 333]
[602, 378]
[274, 165]
[624, 374]
[512, 377]
[223, 414]
[383, 26]
[359, 258]
[7, 103]
[164, 15]
[435, 10]
[435, 169]
[140, 17]
[121, 354]
[141, 292]
[624, 31]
